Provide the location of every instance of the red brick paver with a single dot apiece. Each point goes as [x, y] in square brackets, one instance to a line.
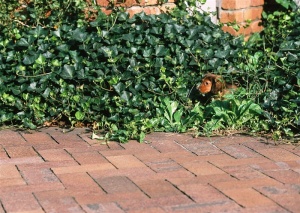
[54, 171]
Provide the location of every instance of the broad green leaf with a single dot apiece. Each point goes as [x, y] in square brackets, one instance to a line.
[76, 98]
[32, 86]
[41, 60]
[16, 91]
[81, 74]
[126, 96]
[192, 33]
[114, 118]
[79, 115]
[29, 59]
[206, 37]
[57, 32]
[147, 53]
[48, 54]
[67, 72]
[63, 48]
[255, 108]
[207, 53]
[75, 55]
[10, 56]
[39, 31]
[181, 58]
[133, 50]
[119, 87]
[284, 3]
[215, 62]
[128, 37]
[155, 30]
[178, 116]
[159, 62]
[114, 80]
[23, 42]
[123, 16]
[178, 28]
[292, 57]
[189, 43]
[80, 35]
[222, 54]
[173, 107]
[43, 47]
[56, 63]
[141, 137]
[169, 29]
[160, 50]
[46, 92]
[66, 27]
[28, 124]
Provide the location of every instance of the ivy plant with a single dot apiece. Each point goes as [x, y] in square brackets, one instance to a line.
[131, 76]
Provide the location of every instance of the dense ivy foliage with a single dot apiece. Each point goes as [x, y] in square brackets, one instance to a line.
[130, 76]
[281, 71]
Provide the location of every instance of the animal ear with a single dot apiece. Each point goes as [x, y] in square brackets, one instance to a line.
[218, 85]
[210, 76]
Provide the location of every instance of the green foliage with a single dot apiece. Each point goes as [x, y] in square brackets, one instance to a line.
[175, 119]
[130, 76]
[287, 4]
[279, 71]
[233, 113]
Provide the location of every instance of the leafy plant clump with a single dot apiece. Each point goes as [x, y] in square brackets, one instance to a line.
[279, 70]
[130, 76]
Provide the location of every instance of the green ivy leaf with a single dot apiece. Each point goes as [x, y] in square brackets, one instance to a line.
[147, 53]
[46, 92]
[80, 35]
[160, 50]
[178, 28]
[41, 60]
[39, 31]
[57, 32]
[67, 72]
[32, 86]
[79, 115]
[75, 55]
[126, 96]
[63, 48]
[141, 137]
[128, 37]
[123, 16]
[222, 54]
[119, 87]
[23, 42]
[56, 63]
[192, 33]
[29, 59]
[178, 116]
[10, 56]
[292, 57]
[81, 74]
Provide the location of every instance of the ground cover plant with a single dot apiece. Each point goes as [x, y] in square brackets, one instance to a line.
[130, 76]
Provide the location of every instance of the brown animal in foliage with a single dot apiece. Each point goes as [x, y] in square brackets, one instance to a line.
[215, 85]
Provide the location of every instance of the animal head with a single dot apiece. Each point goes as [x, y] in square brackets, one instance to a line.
[212, 83]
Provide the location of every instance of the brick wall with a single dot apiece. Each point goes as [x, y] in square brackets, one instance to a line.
[137, 6]
[246, 13]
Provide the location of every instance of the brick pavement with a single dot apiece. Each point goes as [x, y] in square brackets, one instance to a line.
[51, 171]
